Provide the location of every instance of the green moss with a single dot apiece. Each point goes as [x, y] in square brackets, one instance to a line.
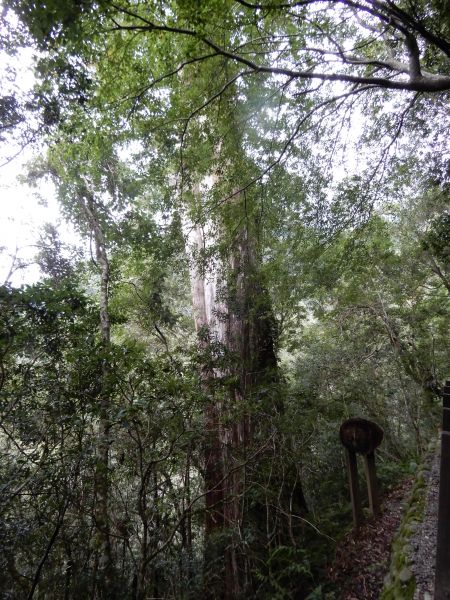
[399, 583]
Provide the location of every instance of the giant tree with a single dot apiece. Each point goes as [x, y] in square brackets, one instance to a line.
[229, 91]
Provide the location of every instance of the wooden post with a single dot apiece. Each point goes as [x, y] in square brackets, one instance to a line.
[361, 436]
[352, 470]
[372, 486]
[442, 580]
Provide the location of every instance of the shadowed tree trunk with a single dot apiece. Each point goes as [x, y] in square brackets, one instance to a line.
[104, 580]
[211, 330]
[236, 329]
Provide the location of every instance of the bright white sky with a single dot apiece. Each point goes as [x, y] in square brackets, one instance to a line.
[23, 210]
[21, 217]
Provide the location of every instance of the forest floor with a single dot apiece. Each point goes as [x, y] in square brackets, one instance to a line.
[362, 559]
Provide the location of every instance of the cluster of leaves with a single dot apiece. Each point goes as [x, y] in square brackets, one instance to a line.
[165, 117]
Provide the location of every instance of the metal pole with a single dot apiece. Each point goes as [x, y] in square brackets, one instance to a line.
[442, 580]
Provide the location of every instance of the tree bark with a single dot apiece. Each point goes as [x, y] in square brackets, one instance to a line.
[438, 271]
[232, 310]
[104, 586]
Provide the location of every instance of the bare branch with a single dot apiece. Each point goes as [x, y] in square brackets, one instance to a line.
[292, 137]
[152, 84]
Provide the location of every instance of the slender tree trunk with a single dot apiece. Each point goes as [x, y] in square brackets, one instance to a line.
[186, 556]
[142, 578]
[105, 586]
[438, 271]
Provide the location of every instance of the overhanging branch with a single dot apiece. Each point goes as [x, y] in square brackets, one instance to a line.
[417, 82]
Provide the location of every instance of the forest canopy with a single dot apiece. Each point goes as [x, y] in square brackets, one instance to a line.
[263, 189]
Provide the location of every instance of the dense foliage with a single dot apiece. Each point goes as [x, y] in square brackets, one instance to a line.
[263, 188]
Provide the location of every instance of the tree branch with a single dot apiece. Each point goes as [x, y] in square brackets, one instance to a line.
[435, 83]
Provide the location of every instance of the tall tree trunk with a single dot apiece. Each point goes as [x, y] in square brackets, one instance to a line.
[251, 342]
[209, 330]
[232, 310]
[105, 585]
